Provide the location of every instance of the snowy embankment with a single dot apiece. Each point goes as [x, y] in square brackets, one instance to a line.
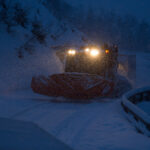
[145, 106]
[138, 117]
[27, 135]
[136, 102]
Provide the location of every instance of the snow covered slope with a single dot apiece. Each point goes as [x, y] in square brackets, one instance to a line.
[13, 136]
[36, 57]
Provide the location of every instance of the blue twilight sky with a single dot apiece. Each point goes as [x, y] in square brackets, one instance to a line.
[138, 8]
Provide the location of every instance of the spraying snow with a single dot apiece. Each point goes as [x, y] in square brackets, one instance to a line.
[37, 58]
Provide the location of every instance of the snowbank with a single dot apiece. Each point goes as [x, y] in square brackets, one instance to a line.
[137, 116]
[16, 73]
[21, 135]
[145, 106]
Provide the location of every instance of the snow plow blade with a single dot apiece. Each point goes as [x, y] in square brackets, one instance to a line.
[73, 85]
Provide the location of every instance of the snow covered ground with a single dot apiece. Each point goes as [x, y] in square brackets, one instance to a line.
[98, 125]
[145, 106]
[20, 135]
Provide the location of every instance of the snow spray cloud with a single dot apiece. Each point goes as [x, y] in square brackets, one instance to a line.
[17, 73]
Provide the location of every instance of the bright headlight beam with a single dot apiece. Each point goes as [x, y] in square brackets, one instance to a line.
[94, 52]
[72, 52]
[87, 50]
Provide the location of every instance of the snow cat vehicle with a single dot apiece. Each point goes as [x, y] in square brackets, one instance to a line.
[89, 72]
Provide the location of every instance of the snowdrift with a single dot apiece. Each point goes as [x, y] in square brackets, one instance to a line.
[23, 135]
[139, 118]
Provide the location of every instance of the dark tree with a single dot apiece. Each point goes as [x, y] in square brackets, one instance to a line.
[38, 31]
[20, 15]
[6, 14]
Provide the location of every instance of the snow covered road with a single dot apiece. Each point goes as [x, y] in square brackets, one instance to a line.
[92, 126]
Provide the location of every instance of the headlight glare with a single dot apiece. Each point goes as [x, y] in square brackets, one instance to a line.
[71, 52]
[94, 52]
[87, 50]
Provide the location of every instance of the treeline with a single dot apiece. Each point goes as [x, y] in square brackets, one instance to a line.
[13, 14]
[105, 26]
[126, 31]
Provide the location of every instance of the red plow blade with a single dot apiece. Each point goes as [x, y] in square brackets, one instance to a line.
[72, 85]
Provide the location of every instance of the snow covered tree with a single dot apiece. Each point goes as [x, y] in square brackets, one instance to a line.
[20, 15]
[38, 31]
[6, 15]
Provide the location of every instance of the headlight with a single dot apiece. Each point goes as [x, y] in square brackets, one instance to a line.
[94, 52]
[87, 50]
[71, 52]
